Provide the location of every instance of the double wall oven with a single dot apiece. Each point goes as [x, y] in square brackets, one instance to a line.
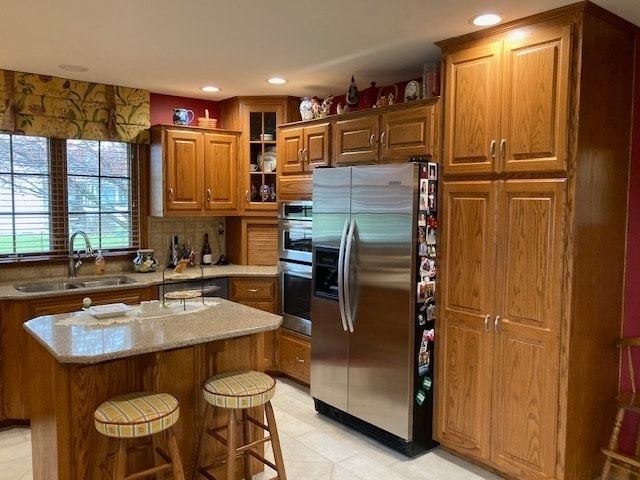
[294, 266]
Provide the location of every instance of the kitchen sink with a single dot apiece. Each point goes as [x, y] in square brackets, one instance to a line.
[45, 287]
[105, 282]
[73, 285]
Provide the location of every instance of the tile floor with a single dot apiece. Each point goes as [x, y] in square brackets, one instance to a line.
[314, 448]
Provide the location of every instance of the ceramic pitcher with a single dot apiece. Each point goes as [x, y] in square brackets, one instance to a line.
[182, 116]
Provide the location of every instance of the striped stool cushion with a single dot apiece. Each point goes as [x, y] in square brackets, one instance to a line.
[136, 414]
[241, 389]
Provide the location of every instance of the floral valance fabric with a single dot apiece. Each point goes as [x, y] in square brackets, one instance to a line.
[60, 108]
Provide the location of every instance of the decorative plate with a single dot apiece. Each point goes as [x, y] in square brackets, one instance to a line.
[183, 294]
[412, 91]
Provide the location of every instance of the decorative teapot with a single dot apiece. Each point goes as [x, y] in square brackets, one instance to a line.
[182, 116]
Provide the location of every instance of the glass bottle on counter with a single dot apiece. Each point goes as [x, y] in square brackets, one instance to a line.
[207, 258]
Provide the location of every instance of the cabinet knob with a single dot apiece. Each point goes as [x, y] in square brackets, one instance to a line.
[300, 156]
[486, 323]
[383, 136]
[300, 360]
[496, 324]
[372, 139]
[305, 156]
[503, 148]
[208, 195]
[171, 194]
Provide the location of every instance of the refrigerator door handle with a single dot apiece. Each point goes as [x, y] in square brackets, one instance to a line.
[347, 277]
[341, 304]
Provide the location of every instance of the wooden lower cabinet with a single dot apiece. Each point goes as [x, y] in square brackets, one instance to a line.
[261, 293]
[500, 322]
[294, 358]
[13, 338]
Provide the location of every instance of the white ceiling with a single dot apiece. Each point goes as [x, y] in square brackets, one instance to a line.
[174, 47]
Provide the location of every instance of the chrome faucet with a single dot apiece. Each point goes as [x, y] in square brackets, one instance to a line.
[74, 265]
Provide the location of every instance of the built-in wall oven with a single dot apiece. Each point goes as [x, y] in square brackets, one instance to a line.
[294, 266]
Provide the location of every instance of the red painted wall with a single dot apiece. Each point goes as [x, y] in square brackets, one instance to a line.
[631, 324]
[161, 109]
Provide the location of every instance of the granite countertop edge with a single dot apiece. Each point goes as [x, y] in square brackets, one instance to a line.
[235, 320]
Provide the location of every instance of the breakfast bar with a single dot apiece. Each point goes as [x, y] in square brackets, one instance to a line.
[79, 359]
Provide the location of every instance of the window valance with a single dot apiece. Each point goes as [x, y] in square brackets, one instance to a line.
[60, 108]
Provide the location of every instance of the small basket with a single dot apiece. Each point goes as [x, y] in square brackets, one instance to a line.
[207, 122]
[385, 101]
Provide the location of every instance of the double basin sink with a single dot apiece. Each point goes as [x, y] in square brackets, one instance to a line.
[72, 284]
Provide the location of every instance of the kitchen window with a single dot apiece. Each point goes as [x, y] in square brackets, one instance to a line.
[50, 188]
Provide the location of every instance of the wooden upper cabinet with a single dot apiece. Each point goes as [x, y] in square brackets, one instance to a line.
[193, 172]
[303, 148]
[355, 140]
[471, 99]
[257, 118]
[184, 151]
[507, 103]
[389, 134]
[408, 132]
[220, 178]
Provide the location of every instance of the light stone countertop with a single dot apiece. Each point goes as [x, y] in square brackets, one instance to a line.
[8, 292]
[74, 338]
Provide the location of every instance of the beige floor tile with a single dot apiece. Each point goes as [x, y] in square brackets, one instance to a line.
[314, 448]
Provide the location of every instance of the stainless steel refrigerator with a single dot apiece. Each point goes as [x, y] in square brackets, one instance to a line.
[373, 301]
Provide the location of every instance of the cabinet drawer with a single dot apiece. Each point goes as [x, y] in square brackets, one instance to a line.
[295, 356]
[253, 289]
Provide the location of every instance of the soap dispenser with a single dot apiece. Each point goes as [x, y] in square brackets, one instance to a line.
[100, 263]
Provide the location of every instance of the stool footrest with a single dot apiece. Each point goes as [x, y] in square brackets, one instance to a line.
[621, 457]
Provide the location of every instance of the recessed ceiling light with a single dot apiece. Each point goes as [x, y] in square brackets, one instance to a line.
[210, 88]
[276, 81]
[486, 19]
[73, 68]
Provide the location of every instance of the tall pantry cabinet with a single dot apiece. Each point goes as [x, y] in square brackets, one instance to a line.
[537, 127]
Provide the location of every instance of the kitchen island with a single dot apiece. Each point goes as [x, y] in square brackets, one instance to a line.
[77, 361]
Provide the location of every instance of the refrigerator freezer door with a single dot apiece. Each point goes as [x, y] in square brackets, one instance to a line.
[329, 340]
[381, 346]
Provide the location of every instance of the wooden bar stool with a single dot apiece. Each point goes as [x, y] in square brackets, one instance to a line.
[625, 402]
[135, 415]
[236, 392]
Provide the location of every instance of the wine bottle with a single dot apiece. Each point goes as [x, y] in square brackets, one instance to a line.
[206, 251]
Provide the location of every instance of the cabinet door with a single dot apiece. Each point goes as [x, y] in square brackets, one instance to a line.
[290, 146]
[471, 109]
[220, 179]
[316, 146]
[534, 101]
[406, 133]
[526, 334]
[295, 356]
[467, 296]
[183, 180]
[356, 140]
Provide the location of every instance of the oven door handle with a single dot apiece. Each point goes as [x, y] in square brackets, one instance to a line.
[341, 259]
